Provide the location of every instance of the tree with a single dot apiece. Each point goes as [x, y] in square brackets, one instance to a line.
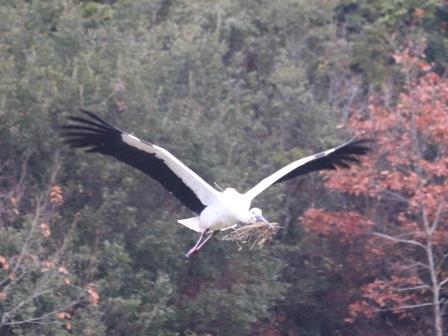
[400, 192]
[37, 285]
[224, 85]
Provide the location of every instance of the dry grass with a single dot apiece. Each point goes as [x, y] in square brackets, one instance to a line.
[254, 235]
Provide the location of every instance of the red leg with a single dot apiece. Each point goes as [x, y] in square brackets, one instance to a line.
[205, 240]
[193, 249]
[201, 241]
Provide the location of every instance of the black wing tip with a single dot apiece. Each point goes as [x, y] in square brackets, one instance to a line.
[89, 132]
[90, 114]
[358, 141]
[93, 116]
[349, 153]
[359, 146]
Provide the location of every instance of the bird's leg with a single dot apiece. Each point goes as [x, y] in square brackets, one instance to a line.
[193, 249]
[205, 240]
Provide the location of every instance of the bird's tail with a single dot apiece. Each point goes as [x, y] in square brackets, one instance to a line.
[191, 223]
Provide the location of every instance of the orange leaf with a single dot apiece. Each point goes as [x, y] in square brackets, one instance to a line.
[14, 201]
[94, 297]
[419, 12]
[45, 230]
[63, 270]
[4, 262]
[56, 195]
[47, 265]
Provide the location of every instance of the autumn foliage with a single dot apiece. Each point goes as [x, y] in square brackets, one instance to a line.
[34, 266]
[394, 229]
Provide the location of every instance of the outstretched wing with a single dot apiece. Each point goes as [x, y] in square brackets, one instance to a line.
[341, 156]
[97, 136]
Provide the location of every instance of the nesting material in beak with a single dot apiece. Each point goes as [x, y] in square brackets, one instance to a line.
[255, 234]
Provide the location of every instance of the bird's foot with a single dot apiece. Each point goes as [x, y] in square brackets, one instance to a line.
[192, 251]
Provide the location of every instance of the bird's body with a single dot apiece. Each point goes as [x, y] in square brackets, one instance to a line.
[225, 212]
[215, 210]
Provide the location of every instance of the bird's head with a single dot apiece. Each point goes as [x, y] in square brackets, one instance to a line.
[256, 216]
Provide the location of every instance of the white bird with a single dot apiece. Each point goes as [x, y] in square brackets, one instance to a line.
[215, 210]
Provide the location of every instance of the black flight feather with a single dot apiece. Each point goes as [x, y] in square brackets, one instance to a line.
[343, 156]
[97, 136]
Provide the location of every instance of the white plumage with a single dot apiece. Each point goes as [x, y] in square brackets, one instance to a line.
[215, 210]
[206, 193]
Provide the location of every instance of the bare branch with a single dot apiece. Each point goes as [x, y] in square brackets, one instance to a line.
[414, 263]
[396, 196]
[425, 221]
[437, 218]
[419, 305]
[443, 282]
[406, 234]
[43, 317]
[17, 308]
[399, 240]
[49, 281]
[442, 260]
[34, 222]
[41, 206]
[17, 278]
[412, 288]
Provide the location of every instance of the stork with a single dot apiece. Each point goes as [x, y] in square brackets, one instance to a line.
[214, 210]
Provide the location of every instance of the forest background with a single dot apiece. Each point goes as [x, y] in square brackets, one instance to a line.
[235, 89]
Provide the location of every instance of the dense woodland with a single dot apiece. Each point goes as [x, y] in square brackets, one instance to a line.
[235, 89]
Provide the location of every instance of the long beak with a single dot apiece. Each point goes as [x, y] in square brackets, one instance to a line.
[260, 218]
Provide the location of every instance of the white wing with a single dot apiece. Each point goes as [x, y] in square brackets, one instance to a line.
[204, 191]
[340, 156]
[98, 136]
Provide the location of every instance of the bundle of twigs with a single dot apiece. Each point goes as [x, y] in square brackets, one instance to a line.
[254, 235]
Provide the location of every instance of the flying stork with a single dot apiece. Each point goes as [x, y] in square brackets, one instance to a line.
[215, 210]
